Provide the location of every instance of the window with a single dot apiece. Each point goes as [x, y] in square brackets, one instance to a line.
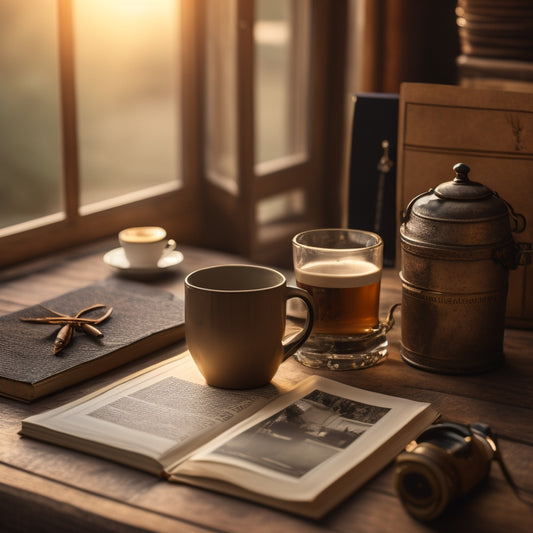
[206, 117]
[127, 122]
[30, 145]
[282, 45]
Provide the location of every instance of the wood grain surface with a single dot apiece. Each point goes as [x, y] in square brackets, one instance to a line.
[47, 488]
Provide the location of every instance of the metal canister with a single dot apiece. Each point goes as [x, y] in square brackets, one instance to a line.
[456, 251]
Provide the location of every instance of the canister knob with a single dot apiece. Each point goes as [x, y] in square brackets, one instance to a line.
[461, 188]
[461, 173]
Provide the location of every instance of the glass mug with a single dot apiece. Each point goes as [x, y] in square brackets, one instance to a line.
[341, 269]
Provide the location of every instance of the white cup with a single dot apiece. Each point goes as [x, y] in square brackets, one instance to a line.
[144, 246]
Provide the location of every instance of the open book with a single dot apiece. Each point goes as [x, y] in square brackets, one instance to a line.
[302, 447]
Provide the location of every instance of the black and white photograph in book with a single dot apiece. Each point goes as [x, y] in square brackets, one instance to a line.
[303, 435]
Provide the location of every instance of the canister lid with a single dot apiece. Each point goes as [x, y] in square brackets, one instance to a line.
[460, 199]
[461, 188]
[461, 220]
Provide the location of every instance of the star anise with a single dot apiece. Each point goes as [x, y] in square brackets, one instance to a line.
[70, 323]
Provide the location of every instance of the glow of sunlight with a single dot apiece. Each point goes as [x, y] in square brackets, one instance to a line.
[121, 17]
[128, 88]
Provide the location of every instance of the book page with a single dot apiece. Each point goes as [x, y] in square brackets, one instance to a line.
[300, 443]
[162, 414]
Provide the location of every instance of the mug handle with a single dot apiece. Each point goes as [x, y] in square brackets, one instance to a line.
[290, 347]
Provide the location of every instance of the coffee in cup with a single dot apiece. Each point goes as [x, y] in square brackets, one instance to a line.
[144, 246]
[235, 319]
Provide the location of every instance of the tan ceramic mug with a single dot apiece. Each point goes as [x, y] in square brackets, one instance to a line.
[235, 318]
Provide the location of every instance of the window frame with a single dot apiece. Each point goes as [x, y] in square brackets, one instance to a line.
[199, 213]
[233, 223]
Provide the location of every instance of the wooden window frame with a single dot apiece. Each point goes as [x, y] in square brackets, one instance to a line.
[199, 213]
[232, 224]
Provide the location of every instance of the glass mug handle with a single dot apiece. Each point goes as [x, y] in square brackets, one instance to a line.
[290, 347]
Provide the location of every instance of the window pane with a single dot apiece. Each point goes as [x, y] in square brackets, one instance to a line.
[280, 207]
[126, 57]
[279, 216]
[281, 34]
[221, 90]
[30, 142]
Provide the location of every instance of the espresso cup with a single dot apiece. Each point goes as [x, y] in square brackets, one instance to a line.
[235, 319]
[144, 246]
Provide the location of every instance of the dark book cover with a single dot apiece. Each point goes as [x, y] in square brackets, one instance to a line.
[143, 320]
[372, 178]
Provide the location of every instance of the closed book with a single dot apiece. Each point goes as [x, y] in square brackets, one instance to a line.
[143, 319]
[372, 178]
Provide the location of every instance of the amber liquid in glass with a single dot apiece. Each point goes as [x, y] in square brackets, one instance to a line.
[346, 295]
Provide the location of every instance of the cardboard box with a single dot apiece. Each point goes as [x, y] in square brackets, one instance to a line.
[490, 131]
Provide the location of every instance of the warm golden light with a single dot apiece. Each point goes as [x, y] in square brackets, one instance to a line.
[126, 55]
[125, 7]
[123, 17]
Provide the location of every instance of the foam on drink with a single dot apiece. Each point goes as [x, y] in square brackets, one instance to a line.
[143, 234]
[338, 274]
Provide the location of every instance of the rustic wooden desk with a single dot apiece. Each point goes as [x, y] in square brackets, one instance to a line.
[47, 488]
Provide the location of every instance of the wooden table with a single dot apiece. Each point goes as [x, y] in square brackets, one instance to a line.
[47, 488]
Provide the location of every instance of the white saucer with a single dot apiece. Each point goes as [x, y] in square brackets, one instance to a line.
[116, 259]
